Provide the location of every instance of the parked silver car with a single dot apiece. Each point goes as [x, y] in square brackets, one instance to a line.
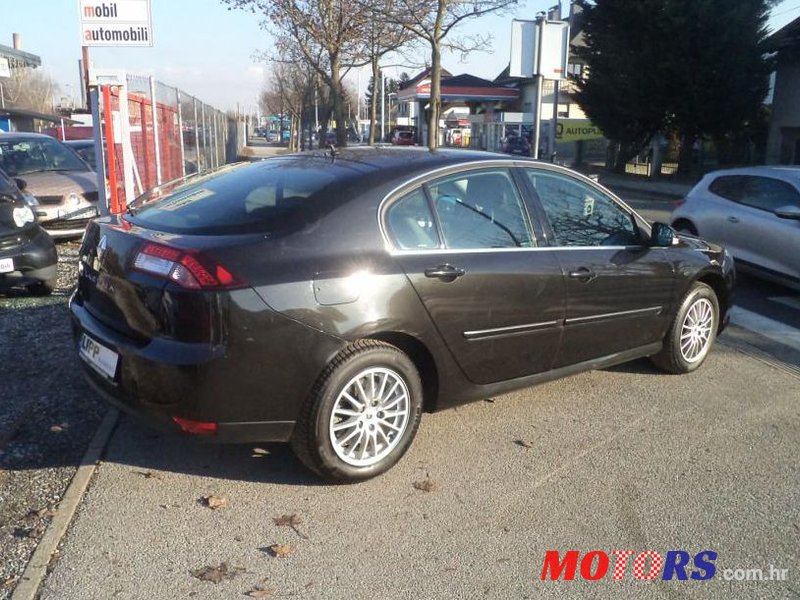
[755, 213]
[63, 183]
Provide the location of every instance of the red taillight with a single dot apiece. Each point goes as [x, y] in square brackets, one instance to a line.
[196, 427]
[188, 269]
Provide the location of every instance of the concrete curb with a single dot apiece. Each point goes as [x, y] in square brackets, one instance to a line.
[36, 570]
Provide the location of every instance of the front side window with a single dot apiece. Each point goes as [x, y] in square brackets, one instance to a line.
[480, 209]
[769, 194]
[581, 215]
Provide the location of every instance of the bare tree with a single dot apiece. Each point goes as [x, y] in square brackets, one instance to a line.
[290, 92]
[382, 37]
[326, 34]
[27, 88]
[433, 22]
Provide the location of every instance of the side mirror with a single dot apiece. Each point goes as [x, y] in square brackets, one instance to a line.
[663, 236]
[788, 212]
[21, 184]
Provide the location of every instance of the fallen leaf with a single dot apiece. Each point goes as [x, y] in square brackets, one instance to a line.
[214, 502]
[523, 443]
[56, 428]
[281, 550]
[10, 580]
[425, 485]
[292, 521]
[148, 474]
[216, 574]
[260, 592]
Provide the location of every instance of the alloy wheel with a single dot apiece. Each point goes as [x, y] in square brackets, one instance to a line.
[696, 330]
[369, 417]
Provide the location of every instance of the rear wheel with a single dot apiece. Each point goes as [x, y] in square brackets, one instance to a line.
[692, 332]
[362, 415]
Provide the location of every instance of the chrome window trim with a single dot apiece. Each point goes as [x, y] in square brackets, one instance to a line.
[511, 330]
[624, 313]
[505, 163]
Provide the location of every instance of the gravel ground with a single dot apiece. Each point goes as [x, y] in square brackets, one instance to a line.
[47, 416]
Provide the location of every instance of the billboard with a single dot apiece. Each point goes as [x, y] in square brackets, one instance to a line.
[120, 23]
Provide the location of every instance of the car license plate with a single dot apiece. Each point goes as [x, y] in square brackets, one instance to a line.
[6, 265]
[98, 356]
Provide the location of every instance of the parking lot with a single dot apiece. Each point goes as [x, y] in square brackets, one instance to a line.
[625, 458]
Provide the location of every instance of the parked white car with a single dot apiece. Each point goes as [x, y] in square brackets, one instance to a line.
[755, 213]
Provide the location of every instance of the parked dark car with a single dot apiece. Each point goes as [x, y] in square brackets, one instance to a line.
[27, 253]
[86, 150]
[755, 212]
[516, 144]
[327, 300]
[64, 185]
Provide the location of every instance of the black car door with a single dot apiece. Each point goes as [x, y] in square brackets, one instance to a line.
[465, 242]
[619, 290]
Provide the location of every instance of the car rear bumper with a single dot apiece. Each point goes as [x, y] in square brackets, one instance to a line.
[35, 260]
[245, 388]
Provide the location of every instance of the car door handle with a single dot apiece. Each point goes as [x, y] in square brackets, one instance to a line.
[733, 219]
[583, 274]
[444, 272]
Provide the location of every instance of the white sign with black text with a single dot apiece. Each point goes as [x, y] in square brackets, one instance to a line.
[118, 23]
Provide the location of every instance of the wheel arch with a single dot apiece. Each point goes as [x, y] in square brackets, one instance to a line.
[423, 360]
[687, 223]
[717, 283]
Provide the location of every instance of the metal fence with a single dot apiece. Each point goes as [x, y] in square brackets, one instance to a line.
[155, 133]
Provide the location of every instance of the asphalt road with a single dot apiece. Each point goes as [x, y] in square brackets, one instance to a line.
[620, 459]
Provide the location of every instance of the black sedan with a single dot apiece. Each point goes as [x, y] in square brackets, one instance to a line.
[326, 300]
[28, 255]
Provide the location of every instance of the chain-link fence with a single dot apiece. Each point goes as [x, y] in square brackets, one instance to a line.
[160, 134]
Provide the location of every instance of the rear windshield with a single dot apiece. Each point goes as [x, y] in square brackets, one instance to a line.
[268, 196]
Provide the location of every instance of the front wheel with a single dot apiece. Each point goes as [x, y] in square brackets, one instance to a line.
[692, 332]
[362, 414]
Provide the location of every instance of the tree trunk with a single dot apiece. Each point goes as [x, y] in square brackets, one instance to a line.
[338, 104]
[436, 95]
[373, 101]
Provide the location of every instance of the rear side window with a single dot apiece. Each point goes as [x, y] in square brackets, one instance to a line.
[728, 187]
[269, 196]
[411, 222]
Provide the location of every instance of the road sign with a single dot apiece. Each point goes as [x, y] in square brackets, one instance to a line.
[120, 23]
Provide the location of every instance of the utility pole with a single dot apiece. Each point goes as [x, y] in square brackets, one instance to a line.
[555, 14]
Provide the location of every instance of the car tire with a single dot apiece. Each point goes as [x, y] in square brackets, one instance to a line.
[691, 333]
[42, 288]
[361, 415]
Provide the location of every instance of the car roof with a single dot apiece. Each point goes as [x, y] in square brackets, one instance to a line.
[24, 135]
[791, 173]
